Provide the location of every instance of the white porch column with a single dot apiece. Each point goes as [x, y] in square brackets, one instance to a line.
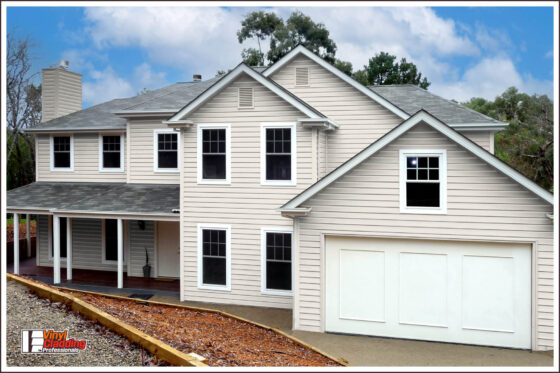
[69, 248]
[27, 230]
[120, 258]
[16, 244]
[56, 249]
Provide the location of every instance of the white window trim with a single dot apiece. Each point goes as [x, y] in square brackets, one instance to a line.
[292, 126]
[166, 170]
[252, 99]
[125, 245]
[442, 154]
[103, 169]
[62, 169]
[264, 289]
[50, 238]
[200, 127]
[227, 228]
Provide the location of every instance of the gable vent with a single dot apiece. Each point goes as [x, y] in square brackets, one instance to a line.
[245, 97]
[302, 76]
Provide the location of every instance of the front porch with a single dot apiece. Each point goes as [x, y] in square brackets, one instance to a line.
[93, 280]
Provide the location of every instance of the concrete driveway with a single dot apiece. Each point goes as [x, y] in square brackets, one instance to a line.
[374, 351]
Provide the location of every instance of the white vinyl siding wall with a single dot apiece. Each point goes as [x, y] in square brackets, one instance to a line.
[482, 205]
[245, 205]
[62, 93]
[141, 171]
[361, 119]
[86, 161]
[481, 138]
[86, 243]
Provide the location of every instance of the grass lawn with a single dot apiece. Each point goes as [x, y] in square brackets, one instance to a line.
[11, 220]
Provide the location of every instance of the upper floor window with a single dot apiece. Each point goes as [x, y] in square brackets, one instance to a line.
[62, 153]
[423, 181]
[166, 151]
[213, 153]
[111, 153]
[278, 154]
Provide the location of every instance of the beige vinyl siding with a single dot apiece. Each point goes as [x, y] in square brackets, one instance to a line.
[86, 161]
[245, 204]
[483, 205]
[62, 93]
[142, 154]
[481, 138]
[361, 119]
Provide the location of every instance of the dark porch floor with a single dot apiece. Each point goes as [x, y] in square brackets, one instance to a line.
[89, 279]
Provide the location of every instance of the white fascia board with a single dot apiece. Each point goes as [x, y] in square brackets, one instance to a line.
[368, 92]
[325, 123]
[478, 126]
[116, 214]
[143, 113]
[421, 116]
[209, 93]
[75, 130]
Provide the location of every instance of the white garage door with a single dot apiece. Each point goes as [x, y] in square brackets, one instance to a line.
[475, 293]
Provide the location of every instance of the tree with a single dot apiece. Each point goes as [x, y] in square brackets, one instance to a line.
[23, 110]
[344, 66]
[283, 37]
[259, 25]
[382, 69]
[143, 91]
[527, 143]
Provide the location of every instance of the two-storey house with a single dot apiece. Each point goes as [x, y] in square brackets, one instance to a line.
[370, 210]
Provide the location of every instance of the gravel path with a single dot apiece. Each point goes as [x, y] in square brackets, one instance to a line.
[27, 311]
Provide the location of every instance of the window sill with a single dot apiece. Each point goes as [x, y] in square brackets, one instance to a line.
[214, 182]
[113, 171]
[54, 169]
[284, 293]
[421, 211]
[214, 287]
[279, 183]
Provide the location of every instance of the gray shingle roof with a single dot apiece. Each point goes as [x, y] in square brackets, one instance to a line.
[96, 197]
[411, 98]
[172, 97]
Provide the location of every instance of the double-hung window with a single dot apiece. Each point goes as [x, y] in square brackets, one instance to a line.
[213, 154]
[423, 186]
[278, 154]
[166, 149]
[276, 263]
[62, 153]
[111, 153]
[214, 257]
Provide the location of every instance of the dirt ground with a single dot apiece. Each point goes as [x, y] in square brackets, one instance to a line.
[224, 341]
[22, 230]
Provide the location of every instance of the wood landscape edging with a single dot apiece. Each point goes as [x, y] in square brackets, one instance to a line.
[153, 345]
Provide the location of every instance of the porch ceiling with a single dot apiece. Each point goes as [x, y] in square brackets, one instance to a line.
[140, 199]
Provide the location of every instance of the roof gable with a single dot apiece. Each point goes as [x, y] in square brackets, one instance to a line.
[230, 77]
[294, 204]
[300, 49]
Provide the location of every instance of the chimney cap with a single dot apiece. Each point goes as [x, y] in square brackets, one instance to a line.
[197, 77]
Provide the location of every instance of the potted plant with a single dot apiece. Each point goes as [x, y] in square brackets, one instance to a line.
[147, 268]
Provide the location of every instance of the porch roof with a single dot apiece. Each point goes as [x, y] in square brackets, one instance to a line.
[95, 198]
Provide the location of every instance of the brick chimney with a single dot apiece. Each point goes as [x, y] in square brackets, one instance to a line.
[61, 91]
[197, 78]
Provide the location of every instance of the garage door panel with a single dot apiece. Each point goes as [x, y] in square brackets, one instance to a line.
[362, 285]
[423, 288]
[462, 292]
[488, 293]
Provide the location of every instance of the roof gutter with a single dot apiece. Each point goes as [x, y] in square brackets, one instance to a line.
[144, 113]
[74, 130]
[178, 124]
[324, 123]
[478, 126]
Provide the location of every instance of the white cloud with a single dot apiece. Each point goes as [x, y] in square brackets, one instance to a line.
[488, 79]
[145, 77]
[104, 86]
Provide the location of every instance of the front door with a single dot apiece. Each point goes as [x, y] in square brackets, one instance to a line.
[168, 249]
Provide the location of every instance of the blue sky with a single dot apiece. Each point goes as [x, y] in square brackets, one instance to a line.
[464, 51]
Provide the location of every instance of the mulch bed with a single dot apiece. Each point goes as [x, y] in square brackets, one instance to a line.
[222, 340]
[22, 230]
